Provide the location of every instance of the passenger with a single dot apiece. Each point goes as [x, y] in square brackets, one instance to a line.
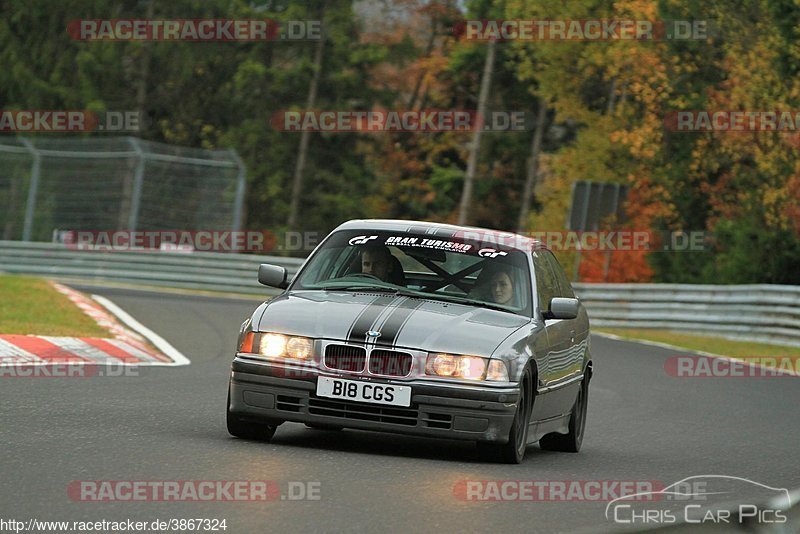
[495, 284]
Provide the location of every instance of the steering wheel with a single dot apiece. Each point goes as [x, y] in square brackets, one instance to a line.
[366, 275]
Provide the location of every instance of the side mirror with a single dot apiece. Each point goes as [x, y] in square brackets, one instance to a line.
[272, 276]
[562, 308]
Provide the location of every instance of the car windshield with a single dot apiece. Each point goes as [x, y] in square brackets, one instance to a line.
[443, 268]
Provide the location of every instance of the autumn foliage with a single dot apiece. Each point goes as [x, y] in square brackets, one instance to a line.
[605, 105]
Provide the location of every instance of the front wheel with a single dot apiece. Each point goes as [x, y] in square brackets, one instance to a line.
[571, 442]
[514, 451]
[246, 429]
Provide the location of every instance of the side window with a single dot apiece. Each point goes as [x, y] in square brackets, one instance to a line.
[329, 261]
[564, 289]
[546, 285]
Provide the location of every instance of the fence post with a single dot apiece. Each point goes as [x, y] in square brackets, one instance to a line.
[584, 213]
[240, 189]
[30, 208]
[138, 178]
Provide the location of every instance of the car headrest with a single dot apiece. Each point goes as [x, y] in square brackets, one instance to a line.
[397, 276]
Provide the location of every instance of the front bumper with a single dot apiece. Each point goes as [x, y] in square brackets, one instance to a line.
[262, 392]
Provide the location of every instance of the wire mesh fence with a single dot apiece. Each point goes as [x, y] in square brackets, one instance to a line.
[115, 183]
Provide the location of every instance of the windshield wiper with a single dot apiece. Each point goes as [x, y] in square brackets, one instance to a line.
[377, 289]
[362, 287]
[484, 304]
[463, 300]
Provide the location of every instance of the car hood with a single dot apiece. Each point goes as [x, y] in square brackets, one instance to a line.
[407, 322]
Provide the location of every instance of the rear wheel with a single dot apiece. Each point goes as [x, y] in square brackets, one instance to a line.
[571, 442]
[514, 451]
[242, 428]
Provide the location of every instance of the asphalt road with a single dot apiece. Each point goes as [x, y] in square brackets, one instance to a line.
[169, 424]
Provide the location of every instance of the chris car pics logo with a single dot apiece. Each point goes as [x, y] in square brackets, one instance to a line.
[703, 500]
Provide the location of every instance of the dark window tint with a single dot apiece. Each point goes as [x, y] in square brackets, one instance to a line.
[564, 288]
[546, 284]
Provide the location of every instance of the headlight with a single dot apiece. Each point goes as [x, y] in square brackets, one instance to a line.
[277, 345]
[497, 371]
[272, 345]
[442, 364]
[299, 348]
[455, 366]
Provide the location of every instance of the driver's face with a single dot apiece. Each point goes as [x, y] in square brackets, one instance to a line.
[375, 264]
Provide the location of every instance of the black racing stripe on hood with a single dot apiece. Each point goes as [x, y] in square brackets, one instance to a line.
[393, 324]
[367, 317]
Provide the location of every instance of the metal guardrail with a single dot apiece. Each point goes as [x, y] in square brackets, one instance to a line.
[758, 312]
[212, 271]
[767, 313]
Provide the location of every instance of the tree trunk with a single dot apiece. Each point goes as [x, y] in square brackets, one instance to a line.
[141, 89]
[533, 166]
[612, 94]
[428, 51]
[475, 146]
[141, 103]
[302, 152]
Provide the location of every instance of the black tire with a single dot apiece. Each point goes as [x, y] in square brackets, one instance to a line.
[257, 431]
[513, 452]
[572, 441]
[330, 428]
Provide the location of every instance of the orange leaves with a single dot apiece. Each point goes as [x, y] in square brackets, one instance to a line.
[615, 266]
[791, 209]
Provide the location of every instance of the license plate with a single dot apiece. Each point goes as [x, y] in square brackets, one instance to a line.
[362, 391]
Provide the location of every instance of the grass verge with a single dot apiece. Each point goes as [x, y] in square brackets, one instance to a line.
[32, 306]
[714, 345]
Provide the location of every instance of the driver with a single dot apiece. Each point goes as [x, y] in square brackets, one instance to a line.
[378, 261]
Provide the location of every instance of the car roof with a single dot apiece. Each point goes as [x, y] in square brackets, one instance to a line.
[441, 230]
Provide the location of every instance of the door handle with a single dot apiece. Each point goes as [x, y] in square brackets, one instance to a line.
[572, 336]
